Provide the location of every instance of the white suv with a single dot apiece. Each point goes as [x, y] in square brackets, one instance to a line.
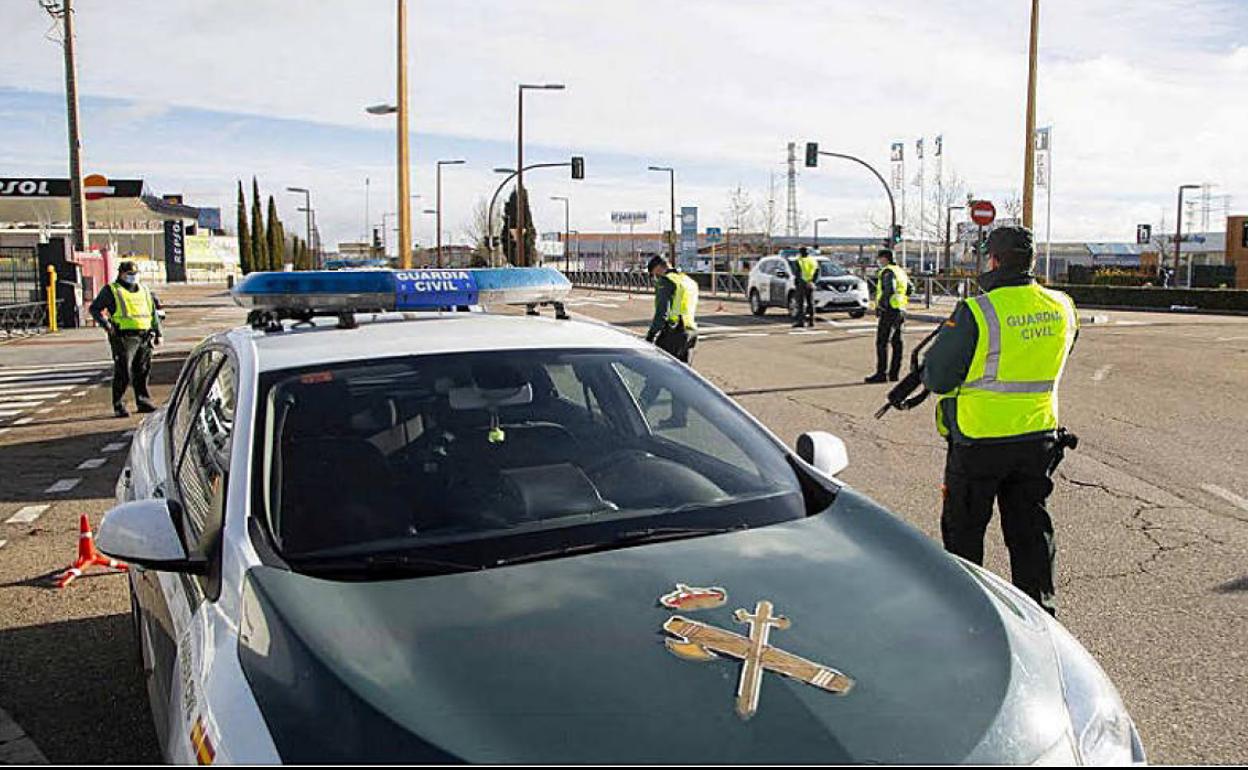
[772, 285]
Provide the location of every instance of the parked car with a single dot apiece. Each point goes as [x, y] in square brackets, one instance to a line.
[772, 285]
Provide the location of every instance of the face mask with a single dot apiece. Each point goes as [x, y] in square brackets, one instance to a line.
[130, 279]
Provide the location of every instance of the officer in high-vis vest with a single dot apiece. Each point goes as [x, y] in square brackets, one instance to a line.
[995, 367]
[126, 311]
[892, 297]
[674, 327]
[804, 285]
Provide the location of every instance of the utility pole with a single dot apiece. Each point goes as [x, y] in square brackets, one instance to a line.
[1178, 228]
[1029, 156]
[64, 10]
[567, 229]
[405, 203]
[948, 217]
[671, 234]
[790, 214]
[438, 205]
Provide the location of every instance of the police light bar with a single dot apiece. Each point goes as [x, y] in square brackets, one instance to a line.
[330, 291]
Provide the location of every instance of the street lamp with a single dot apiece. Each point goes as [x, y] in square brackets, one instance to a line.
[817, 221]
[442, 163]
[405, 212]
[520, 226]
[385, 234]
[1178, 233]
[948, 225]
[1029, 153]
[566, 228]
[307, 207]
[671, 178]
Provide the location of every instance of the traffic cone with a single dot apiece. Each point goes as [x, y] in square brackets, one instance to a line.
[87, 555]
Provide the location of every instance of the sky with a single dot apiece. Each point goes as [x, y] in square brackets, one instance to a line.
[193, 95]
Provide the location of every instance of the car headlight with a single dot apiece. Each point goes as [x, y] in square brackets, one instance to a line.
[1103, 731]
[862, 287]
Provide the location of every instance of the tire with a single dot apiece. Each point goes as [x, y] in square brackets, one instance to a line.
[756, 303]
[857, 313]
[136, 621]
[791, 303]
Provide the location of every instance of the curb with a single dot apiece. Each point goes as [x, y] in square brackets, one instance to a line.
[16, 747]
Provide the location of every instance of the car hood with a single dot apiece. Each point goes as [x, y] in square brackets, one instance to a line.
[563, 661]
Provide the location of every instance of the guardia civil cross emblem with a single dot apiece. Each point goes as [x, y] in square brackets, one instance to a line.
[696, 641]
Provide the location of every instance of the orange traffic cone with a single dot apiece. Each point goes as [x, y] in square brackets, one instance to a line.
[87, 555]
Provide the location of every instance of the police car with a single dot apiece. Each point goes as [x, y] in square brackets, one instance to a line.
[772, 283]
[377, 524]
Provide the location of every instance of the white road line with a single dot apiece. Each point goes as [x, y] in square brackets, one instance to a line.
[62, 402]
[1130, 323]
[9, 413]
[79, 393]
[64, 485]
[3, 431]
[115, 446]
[860, 331]
[85, 365]
[28, 400]
[24, 421]
[3, 543]
[743, 334]
[19, 390]
[92, 463]
[1231, 339]
[1226, 495]
[807, 332]
[1099, 374]
[45, 410]
[27, 514]
[50, 379]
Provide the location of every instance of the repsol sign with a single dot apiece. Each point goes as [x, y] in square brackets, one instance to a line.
[34, 188]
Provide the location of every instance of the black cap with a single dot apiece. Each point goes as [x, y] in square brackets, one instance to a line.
[655, 262]
[802, 251]
[127, 267]
[885, 253]
[1013, 245]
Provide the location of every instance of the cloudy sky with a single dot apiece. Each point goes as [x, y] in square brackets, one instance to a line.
[194, 94]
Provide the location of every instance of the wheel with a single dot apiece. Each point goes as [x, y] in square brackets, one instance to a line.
[756, 303]
[857, 313]
[136, 620]
[795, 310]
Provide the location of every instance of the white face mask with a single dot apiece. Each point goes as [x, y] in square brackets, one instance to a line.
[130, 279]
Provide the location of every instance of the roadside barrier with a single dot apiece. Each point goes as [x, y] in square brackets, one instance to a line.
[88, 556]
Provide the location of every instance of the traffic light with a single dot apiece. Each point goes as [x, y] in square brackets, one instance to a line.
[896, 234]
[812, 154]
[1243, 240]
[376, 238]
[578, 167]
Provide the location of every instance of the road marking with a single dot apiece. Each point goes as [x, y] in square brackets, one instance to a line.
[3, 543]
[1130, 323]
[62, 402]
[28, 400]
[807, 332]
[860, 331]
[45, 410]
[9, 413]
[1231, 339]
[64, 485]
[3, 431]
[64, 379]
[92, 463]
[24, 421]
[22, 390]
[79, 393]
[113, 447]
[27, 514]
[1226, 495]
[742, 334]
[1099, 374]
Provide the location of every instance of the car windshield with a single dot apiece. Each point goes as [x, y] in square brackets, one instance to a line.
[454, 451]
[829, 269]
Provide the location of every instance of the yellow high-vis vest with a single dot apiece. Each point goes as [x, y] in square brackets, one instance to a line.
[901, 287]
[1025, 337]
[809, 267]
[134, 308]
[684, 307]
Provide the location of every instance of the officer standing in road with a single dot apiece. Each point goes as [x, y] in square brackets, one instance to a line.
[807, 270]
[892, 296]
[995, 366]
[126, 310]
[674, 327]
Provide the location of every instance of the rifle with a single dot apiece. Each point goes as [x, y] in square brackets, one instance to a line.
[900, 397]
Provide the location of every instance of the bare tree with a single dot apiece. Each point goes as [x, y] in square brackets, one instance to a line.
[479, 229]
[740, 213]
[1012, 205]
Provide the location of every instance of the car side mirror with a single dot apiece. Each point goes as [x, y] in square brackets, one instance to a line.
[142, 532]
[782, 274]
[823, 451]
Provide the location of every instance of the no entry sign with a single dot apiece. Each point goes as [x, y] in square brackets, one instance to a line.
[983, 213]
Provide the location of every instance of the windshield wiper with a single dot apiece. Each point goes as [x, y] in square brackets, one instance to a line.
[380, 564]
[623, 540]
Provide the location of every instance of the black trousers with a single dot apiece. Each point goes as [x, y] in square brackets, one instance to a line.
[805, 304]
[132, 365]
[1016, 476]
[888, 332]
[679, 343]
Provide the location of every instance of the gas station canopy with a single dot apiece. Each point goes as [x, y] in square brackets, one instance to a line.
[46, 201]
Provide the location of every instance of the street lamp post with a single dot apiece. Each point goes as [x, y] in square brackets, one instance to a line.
[438, 204]
[892, 205]
[520, 195]
[671, 235]
[307, 207]
[511, 174]
[1029, 155]
[567, 228]
[948, 220]
[817, 221]
[385, 234]
[1178, 232]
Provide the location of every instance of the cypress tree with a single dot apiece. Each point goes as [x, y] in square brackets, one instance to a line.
[273, 233]
[259, 247]
[244, 234]
[510, 218]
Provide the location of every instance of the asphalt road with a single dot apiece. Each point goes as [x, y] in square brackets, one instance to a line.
[1151, 511]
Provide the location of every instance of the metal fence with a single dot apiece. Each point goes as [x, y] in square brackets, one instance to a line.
[23, 319]
[19, 275]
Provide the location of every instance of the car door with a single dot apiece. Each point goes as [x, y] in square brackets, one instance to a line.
[169, 599]
[780, 277]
